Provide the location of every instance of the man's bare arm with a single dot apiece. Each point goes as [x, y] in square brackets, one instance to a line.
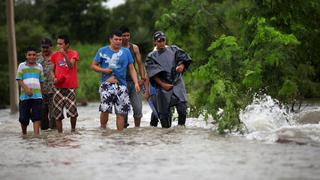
[134, 77]
[140, 64]
[95, 66]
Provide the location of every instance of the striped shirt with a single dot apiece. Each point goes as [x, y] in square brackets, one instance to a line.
[32, 76]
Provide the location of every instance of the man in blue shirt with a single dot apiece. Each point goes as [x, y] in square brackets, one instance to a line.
[112, 61]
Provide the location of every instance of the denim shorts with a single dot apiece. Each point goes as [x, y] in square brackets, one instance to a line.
[29, 109]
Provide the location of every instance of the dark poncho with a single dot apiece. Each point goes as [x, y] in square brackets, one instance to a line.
[163, 64]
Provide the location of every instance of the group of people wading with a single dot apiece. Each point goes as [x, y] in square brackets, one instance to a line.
[49, 80]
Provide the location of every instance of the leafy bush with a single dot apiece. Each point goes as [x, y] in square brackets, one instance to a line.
[87, 78]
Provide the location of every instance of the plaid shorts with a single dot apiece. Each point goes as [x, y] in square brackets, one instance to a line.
[114, 95]
[64, 98]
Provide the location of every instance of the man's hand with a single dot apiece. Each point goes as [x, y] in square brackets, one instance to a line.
[146, 95]
[113, 80]
[62, 51]
[141, 82]
[28, 91]
[180, 68]
[137, 87]
[107, 70]
[166, 86]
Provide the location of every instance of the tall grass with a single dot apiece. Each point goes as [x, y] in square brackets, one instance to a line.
[87, 78]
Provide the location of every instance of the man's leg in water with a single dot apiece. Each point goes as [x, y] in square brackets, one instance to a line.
[154, 120]
[73, 121]
[182, 113]
[104, 117]
[120, 122]
[136, 102]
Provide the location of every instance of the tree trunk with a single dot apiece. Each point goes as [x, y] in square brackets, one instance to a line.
[12, 56]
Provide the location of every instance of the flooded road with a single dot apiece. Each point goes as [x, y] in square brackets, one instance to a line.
[194, 152]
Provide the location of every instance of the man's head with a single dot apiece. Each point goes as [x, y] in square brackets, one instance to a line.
[30, 54]
[125, 35]
[115, 39]
[63, 42]
[159, 39]
[46, 45]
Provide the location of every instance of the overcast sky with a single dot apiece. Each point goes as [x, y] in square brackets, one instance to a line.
[113, 3]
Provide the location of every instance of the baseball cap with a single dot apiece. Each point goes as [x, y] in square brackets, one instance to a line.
[46, 42]
[159, 35]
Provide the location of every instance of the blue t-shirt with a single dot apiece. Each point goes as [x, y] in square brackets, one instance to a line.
[117, 61]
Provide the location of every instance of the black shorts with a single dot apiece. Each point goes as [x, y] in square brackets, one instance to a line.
[29, 109]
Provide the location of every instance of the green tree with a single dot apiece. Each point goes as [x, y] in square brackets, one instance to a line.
[251, 49]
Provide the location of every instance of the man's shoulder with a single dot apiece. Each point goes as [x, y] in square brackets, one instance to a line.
[125, 50]
[72, 51]
[134, 46]
[39, 54]
[55, 54]
[104, 48]
[152, 53]
[174, 47]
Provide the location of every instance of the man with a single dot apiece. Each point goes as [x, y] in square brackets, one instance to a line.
[165, 66]
[66, 81]
[47, 119]
[135, 97]
[113, 61]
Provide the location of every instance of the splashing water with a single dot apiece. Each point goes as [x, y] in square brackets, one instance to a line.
[264, 114]
[267, 121]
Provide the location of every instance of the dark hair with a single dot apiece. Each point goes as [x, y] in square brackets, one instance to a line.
[115, 32]
[46, 42]
[124, 29]
[29, 48]
[65, 38]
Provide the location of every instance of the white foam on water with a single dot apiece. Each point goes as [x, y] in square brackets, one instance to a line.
[264, 114]
[266, 120]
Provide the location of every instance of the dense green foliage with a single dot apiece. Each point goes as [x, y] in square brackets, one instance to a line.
[239, 47]
[262, 46]
[87, 78]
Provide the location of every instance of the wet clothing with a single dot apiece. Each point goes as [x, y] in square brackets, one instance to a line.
[154, 119]
[30, 106]
[29, 109]
[117, 61]
[31, 76]
[135, 97]
[48, 84]
[65, 88]
[162, 64]
[112, 94]
[135, 100]
[64, 97]
[67, 77]
[47, 120]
